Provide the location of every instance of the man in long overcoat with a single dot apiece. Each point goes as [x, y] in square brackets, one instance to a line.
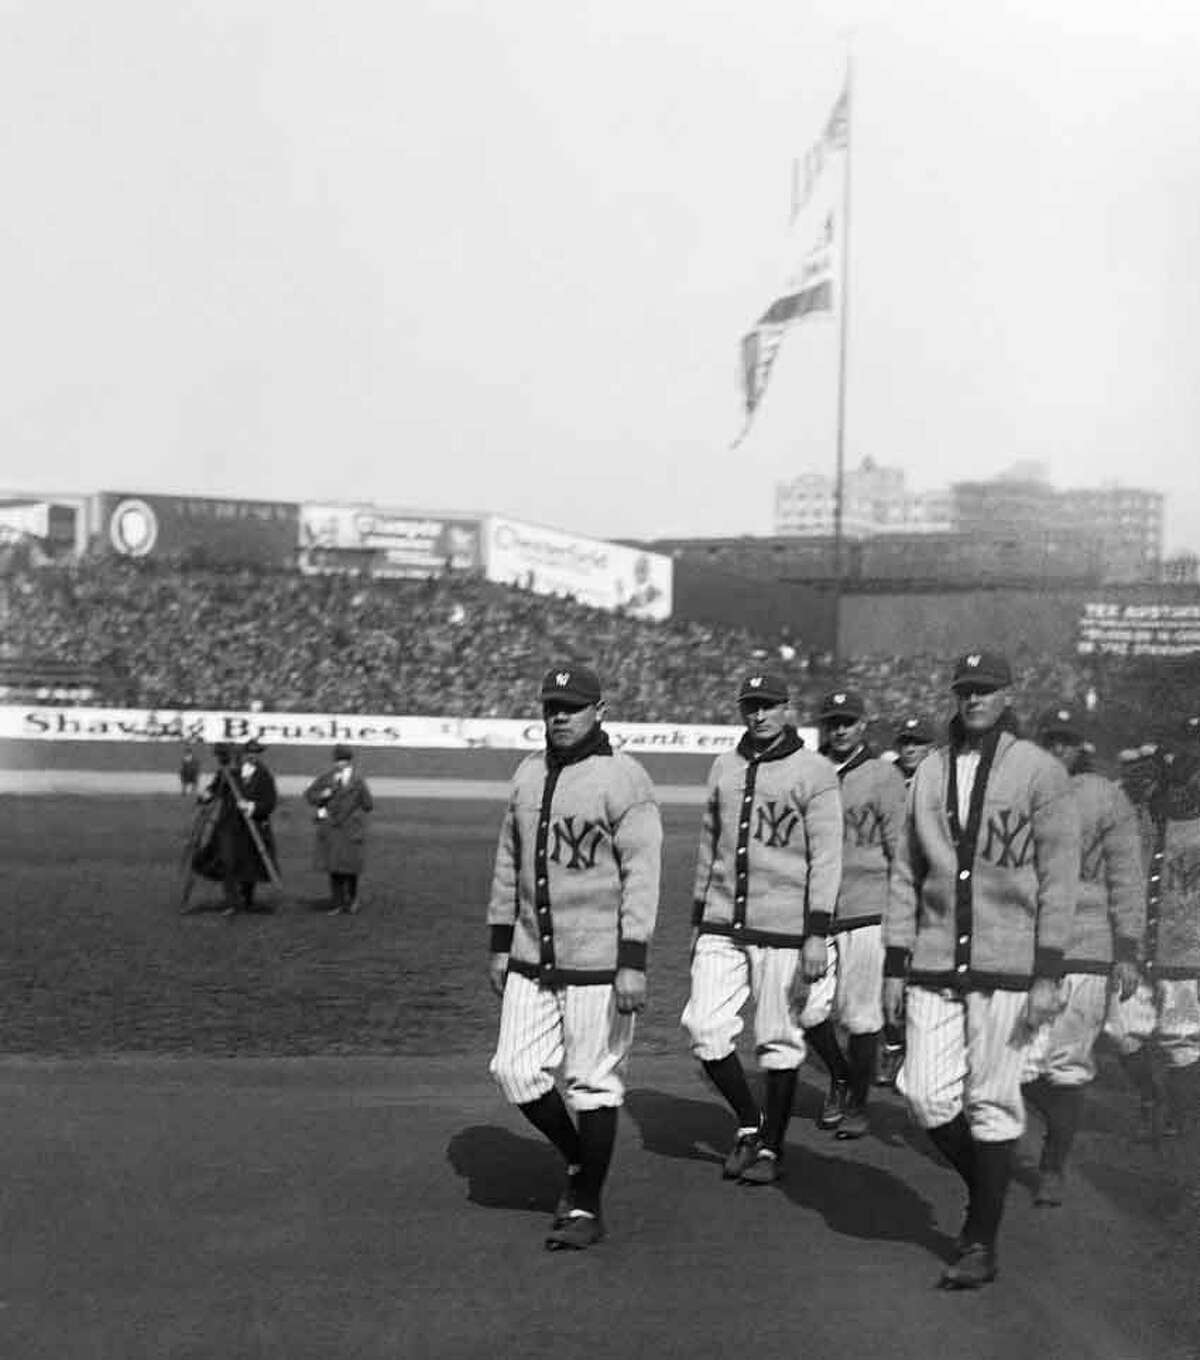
[342, 800]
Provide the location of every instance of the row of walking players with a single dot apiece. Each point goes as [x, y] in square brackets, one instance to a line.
[986, 922]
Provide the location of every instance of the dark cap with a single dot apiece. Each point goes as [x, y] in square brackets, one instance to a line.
[842, 703]
[764, 685]
[343, 753]
[1062, 720]
[254, 747]
[916, 729]
[982, 668]
[570, 684]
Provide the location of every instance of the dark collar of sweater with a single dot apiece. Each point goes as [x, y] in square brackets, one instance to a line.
[788, 741]
[860, 757]
[595, 743]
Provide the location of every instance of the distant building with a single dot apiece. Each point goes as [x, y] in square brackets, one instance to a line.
[877, 500]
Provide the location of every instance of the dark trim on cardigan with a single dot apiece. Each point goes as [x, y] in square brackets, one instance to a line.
[748, 935]
[563, 977]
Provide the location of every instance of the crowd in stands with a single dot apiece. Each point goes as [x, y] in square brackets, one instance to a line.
[165, 637]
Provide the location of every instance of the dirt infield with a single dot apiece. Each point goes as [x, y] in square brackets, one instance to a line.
[373, 1208]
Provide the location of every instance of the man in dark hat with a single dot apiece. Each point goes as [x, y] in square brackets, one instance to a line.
[872, 794]
[342, 800]
[977, 922]
[766, 882]
[244, 840]
[573, 907]
[913, 741]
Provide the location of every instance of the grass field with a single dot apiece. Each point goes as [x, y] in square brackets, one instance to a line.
[98, 959]
[392, 1205]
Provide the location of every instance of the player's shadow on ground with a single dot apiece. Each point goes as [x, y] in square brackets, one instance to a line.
[504, 1171]
[854, 1198]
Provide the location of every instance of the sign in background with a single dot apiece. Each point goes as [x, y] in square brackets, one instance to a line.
[318, 729]
[201, 528]
[1139, 629]
[554, 562]
[392, 543]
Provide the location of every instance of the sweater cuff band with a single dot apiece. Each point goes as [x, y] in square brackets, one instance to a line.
[1125, 950]
[697, 912]
[818, 923]
[895, 962]
[632, 954]
[500, 939]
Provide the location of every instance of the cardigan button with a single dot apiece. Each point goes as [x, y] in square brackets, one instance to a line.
[963, 875]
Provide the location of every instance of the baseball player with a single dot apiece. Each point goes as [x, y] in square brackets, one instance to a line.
[873, 811]
[1101, 956]
[1157, 1029]
[980, 912]
[766, 882]
[913, 741]
[573, 907]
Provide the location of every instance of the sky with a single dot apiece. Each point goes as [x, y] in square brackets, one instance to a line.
[461, 255]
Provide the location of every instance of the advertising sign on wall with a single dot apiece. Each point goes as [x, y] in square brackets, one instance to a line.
[1139, 629]
[217, 531]
[554, 562]
[386, 542]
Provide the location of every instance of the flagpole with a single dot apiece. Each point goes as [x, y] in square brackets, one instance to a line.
[839, 479]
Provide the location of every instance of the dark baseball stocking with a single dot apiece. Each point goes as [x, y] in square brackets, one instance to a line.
[989, 1189]
[781, 1092]
[549, 1115]
[1062, 1107]
[861, 1062]
[729, 1077]
[954, 1141]
[597, 1137]
[823, 1040]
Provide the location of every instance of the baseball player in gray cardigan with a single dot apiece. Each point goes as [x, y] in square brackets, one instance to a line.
[573, 906]
[767, 877]
[980, 913]
[1102, 952]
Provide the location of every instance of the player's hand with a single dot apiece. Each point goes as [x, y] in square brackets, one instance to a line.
[893, 1001]
[246, 806]
[1044, 1003]
[814, 958]
[497, 971]
[630, 987]
[1125, 979]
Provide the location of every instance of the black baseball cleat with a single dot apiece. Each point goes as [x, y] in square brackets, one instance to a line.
[577, 1232]
[855, 1123]
[741, 1155]
[834, 1109]
[974, 1267]
[765, 1169]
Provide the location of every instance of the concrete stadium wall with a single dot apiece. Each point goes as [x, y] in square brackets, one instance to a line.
[944, 623]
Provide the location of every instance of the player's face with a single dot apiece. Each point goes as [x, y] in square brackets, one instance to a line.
[567, 724]
[909, 755]
[1063, 747]
[980, 706]
[844, 736]
[764, 720]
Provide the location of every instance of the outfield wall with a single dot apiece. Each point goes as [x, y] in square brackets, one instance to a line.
[94, 739]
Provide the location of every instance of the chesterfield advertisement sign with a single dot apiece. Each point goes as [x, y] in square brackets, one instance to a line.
[386, 542]
[1140, 629]
[594, 572]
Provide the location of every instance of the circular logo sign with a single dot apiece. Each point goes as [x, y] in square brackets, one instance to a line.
[133, 528]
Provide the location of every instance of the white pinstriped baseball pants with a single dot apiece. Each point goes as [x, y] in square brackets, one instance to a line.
[725, 975]
[966, 1053]
[852, 989]
[578, 1029]
[1166, 1013]
[1062, 1051]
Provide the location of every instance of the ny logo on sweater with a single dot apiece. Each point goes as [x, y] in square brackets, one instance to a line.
[777, 824]
[1091, 861]
[864, 826]
[1183, 874]
[1009, 843]
[582, 842]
